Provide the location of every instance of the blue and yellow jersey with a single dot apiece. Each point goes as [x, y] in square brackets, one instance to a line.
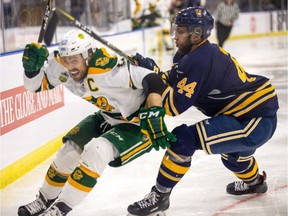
[212, 80]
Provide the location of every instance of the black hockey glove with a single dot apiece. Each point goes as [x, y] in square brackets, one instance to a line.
[34, 57]
[152, 124]
[151, 65]
[147, 63]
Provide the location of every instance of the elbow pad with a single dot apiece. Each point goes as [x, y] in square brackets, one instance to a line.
[152, 83]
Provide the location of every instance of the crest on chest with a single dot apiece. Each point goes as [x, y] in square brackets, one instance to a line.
[101, 102]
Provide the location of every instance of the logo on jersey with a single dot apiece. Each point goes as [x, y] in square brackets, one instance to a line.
[81, 36]
[75, 130]
[214, 92]
[102, 61]
[64, 76]
[198, 12]
[100, 102]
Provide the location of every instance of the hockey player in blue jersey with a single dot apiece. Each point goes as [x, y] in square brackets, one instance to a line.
[241, 109]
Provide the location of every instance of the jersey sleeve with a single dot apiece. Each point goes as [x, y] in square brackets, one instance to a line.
[33, 84]
[137, 75]
[50, 75]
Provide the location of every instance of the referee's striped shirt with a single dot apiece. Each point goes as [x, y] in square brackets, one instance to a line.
[225, 13]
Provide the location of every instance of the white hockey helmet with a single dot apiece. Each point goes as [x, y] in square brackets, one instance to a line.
[76, 42]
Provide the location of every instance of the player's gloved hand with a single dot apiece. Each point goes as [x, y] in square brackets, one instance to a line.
[34, 57]
[146, 63]
[152, 124]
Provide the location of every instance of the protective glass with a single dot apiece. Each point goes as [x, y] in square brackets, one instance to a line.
[179, 32]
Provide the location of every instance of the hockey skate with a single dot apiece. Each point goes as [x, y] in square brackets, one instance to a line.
[59, 208]
[241, 188]
[36, 207]
[154, 204]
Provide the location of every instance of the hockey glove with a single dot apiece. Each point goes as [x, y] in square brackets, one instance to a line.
[151, 65]
[34, 57]
[147, 63]
[152, 124]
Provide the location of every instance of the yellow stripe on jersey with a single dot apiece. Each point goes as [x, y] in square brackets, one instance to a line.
[254, 105]
[166, 91]
[241, 97]
[168, 102]
[251, 102]
[261, 95]
[171, 99]
[165, 101]
[174, 167]
[166, 106]
[94, 70]
[233, 103]
[104, 51]
[45, 84]
[264, 85]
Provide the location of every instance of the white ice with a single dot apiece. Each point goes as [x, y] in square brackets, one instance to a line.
[202, 190]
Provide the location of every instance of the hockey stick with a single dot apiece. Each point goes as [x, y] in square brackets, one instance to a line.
[51, 27]
[45, 20]
[72, 21]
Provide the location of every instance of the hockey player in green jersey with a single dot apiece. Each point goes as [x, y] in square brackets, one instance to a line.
[130, 121]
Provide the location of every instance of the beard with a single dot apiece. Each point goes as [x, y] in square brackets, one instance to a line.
[184, 50]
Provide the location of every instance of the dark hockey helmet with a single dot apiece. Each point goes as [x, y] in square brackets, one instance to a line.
[198, 20]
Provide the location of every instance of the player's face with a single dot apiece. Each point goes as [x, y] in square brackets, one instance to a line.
[229, 2]
[76, 66]
[182, 39]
